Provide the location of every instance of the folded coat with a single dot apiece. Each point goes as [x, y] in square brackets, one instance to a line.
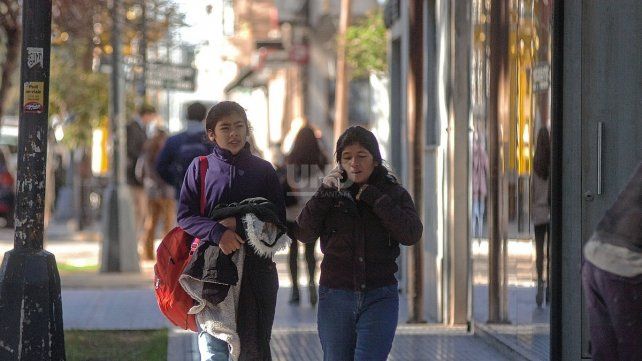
[210, 274]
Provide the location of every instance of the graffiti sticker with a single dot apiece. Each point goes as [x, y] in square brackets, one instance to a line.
[33, 97]
[35, 57]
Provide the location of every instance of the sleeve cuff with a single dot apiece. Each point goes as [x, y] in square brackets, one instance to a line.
[217, 232]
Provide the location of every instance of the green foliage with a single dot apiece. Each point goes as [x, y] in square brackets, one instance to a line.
[91, 22]
[366, 46]
[78, 94]
[81, 35]
[10, 42]
[116, 345]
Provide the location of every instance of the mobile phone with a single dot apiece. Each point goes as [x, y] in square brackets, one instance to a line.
[344, 177]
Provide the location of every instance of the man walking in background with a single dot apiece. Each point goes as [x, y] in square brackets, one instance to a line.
[136, 137]
[180, 149]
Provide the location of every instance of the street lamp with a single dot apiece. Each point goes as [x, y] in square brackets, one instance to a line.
[30, 301]
[119, 251]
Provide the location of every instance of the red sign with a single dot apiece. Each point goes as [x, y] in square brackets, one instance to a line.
[299, 53]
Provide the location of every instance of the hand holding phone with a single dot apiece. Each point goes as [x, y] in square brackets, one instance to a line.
[334, 178]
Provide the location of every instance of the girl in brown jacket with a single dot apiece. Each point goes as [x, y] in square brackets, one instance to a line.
[362, 214]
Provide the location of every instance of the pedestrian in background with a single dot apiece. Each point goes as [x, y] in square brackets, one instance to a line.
[136, 138]
[305, 164]
[540, 212]
[479, 186]
[362, 214]
[612, 277]
[181, 148]
[234, 175]
[160, 195]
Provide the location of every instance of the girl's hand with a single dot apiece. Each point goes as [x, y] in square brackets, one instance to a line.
[230, 242]
[229, 223]
[333, 179]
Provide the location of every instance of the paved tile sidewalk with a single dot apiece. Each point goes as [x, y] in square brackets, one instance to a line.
[94, 301]
[111, 309]
[294, 335]
[412, 343]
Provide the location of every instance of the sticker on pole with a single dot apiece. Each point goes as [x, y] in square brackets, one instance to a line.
[35, 57]
[34, 97]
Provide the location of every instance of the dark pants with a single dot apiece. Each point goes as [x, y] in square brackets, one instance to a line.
[614, 306]
[357, 326]
[541, 239]
[293, 258]
[257, 304]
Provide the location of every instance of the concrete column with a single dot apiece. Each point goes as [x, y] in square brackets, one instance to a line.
[458, 163]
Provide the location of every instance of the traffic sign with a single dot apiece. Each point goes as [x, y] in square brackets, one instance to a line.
[171, 76]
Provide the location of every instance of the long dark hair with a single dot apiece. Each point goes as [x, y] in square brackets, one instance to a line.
[365, 138]
[306, 149]
[542, 158]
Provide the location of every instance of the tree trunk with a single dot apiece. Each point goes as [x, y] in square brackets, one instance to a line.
[342, 81]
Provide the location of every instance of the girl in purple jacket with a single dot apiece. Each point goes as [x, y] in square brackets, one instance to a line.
[234, 174]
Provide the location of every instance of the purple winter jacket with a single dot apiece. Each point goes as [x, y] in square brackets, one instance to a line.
[230, 178]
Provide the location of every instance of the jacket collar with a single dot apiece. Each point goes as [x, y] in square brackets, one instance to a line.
[227, 156]
[381, 177]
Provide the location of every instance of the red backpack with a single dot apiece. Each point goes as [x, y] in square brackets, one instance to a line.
[172, 255]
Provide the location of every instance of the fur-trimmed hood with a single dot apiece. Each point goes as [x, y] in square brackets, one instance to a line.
[622, 222]
[213, 279]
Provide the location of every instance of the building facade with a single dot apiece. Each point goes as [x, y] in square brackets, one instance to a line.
[476, 88]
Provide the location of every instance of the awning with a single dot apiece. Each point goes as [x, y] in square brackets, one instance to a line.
[269, 56]
[240, 80]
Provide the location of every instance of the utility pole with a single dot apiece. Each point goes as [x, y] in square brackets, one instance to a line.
[142, 85]
[341, 98]
[120, 244]
[30, 302]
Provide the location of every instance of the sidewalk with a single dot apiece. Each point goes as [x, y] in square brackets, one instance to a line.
[527, 335]
[95, 301]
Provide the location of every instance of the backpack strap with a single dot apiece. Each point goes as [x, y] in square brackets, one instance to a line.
[202, 170]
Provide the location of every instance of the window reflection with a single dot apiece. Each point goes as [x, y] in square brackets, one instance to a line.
[510, 168]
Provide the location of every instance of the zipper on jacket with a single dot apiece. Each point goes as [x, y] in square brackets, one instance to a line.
[232, 170]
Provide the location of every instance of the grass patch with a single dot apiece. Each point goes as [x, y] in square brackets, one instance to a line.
[116, 345]
[64, 267]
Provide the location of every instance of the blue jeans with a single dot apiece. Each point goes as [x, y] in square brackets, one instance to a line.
[357, 325]
[211, 348]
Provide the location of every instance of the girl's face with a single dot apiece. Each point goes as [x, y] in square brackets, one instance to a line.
[230, 133]
[358, 163]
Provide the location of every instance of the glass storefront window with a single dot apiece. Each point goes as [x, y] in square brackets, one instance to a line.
[510, 110]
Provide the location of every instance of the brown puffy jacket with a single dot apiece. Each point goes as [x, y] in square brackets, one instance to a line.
[360, 239]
